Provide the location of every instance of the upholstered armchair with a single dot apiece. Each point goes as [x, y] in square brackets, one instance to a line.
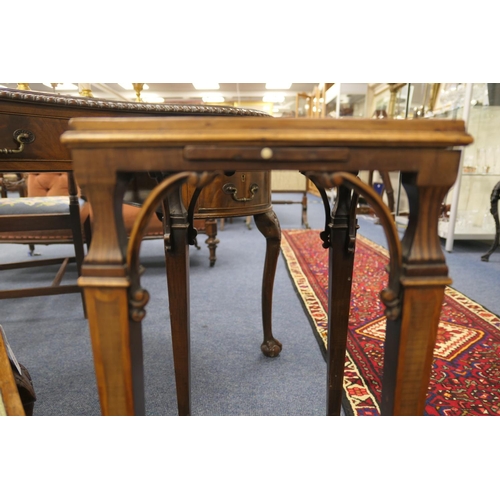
[50, 213]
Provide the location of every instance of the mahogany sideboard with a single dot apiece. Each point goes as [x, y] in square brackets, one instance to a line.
[45, 116]
[331, 153]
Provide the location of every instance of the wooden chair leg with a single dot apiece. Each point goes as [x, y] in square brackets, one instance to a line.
[76, 230]
[211, 241]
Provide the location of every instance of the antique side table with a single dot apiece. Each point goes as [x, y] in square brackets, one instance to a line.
[330, 152]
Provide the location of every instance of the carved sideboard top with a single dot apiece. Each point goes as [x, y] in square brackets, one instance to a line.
[124, 106]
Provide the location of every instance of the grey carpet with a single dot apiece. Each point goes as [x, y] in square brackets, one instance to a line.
[230, 376]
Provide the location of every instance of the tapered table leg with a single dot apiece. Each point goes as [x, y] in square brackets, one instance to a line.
[177, 269]
[410, 338]
[111, 304]
[341, 258]
[268, 224]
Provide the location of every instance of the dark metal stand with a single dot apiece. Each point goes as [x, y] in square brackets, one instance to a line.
[495, 195]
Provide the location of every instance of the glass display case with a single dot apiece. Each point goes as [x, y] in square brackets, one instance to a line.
[389, 100]
[346, 100]
[466, 213]
[466, 208]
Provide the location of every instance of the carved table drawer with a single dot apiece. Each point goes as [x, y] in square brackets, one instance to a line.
[234, 195]
[40, 138]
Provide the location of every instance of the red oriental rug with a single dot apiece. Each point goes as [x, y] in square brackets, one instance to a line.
[465, 376]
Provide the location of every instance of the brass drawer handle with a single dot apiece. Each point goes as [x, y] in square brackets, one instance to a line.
[231, 189]
[22, 137]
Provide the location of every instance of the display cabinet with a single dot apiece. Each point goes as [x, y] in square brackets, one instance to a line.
[466, 209]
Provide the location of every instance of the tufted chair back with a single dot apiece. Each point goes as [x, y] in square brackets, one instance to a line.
[48, 214]
[42, 185]
[48, 184]
[56, 184]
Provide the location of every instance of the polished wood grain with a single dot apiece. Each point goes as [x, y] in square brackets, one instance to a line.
[422, 150]
[10, 401]
[214, 202]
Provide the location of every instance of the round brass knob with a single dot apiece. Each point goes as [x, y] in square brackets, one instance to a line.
[266, 153]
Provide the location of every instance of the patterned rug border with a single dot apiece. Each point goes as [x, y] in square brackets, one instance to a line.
[355, 394]
[318, 318]
[451, 292]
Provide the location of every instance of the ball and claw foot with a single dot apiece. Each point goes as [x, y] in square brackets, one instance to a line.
[271, 348]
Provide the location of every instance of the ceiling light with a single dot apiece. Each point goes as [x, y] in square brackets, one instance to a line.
[62, 86]
[278, 86]
[152, 98]
[129, 86]
[273, 97]
[213, 98]
[206, 86]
